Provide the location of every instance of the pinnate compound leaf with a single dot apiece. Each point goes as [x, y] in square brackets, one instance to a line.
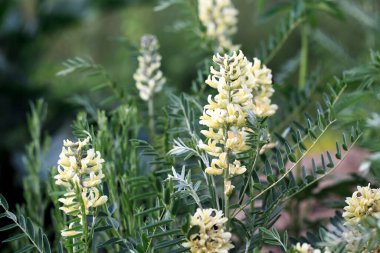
[25, 248]
[3, 202]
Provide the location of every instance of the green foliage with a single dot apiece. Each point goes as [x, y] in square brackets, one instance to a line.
[276, 40]
[272, 237]
[36, 150]
[37, 239]
[89, 68]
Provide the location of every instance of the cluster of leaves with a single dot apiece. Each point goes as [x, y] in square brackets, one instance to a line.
[35, 237]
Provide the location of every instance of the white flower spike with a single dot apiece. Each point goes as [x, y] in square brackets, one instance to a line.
[80, 169]
[219, 17]
[149, 78]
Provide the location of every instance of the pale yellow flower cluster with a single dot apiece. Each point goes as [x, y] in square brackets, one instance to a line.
[149, 78]
[307, 248]
[219, 17]
[263, 91]
[211, 237]
[240, 84]
[79, 168]
[364, 202]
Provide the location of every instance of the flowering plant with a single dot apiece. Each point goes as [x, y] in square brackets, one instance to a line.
[216, 169]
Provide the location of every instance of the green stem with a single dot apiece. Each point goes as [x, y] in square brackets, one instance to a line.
[250, 173]
[212, 189]
[215, 192]
[10, 214]
[211, 186]
[151, 118]
[303, 58]
[154, 230]
[249, 183]
[84, 219]
[118, 235]
[299, 166]
[95, 214]
[226, 176]
[226, 202]
[282, 41]
[251, 192]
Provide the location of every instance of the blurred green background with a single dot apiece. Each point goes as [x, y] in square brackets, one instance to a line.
[37, 35]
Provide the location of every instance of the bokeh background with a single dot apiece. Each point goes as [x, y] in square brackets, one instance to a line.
[36, 36]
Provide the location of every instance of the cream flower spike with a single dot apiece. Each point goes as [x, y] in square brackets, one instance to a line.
[211, 237]
[242, 87]
[219, 17]
[149, 78]
[263, 91]
[226, 114]
[79, 169]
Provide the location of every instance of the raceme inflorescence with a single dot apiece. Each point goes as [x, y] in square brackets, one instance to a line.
[219, 17]
[80, 173]
[149, 78]
[242, 87]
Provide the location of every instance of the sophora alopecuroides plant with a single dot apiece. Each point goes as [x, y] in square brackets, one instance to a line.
[236, 150]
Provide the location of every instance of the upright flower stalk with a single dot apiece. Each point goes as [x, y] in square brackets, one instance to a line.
[219, 17]
[149, 78]
[242, 86]
[80, 173]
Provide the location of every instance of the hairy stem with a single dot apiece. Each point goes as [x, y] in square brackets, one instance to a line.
[212, 190]
[226, 177]
[151, 117]
[249, 174]
[284, 38]
[84, 220]
[226, 196]
[92, 230]
[9, 214]
[154, 230]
